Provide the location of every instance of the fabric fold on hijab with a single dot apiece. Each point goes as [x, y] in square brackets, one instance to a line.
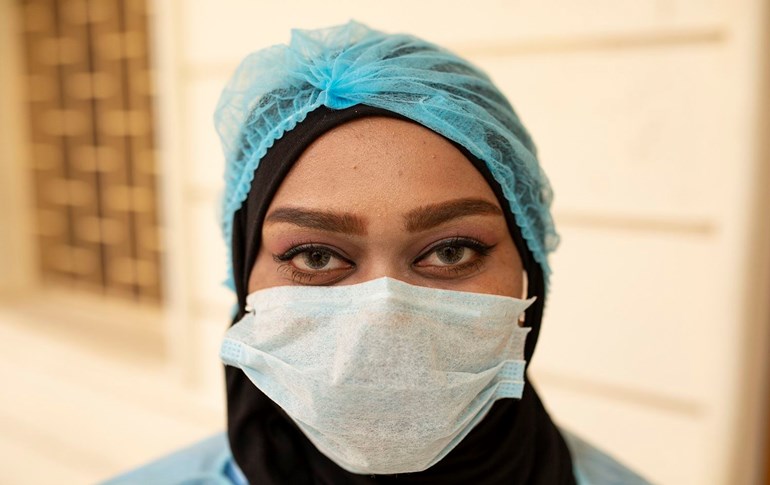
[516, 442]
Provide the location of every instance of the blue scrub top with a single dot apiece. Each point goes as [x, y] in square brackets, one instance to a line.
[210, 462]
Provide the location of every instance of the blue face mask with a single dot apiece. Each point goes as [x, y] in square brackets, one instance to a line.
[383, 377]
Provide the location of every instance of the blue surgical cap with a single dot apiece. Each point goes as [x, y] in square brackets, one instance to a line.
[275, 88]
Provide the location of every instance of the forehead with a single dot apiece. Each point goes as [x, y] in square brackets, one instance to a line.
[383, 165]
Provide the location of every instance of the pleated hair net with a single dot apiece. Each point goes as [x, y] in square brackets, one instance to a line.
[275, 88]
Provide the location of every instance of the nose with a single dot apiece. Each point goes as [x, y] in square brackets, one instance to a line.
[381, 267]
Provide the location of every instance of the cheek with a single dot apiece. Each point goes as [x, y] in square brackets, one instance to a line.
[504, 275]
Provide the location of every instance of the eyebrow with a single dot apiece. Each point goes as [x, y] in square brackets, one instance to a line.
[323, 220]
[432, 215]
[419, 219]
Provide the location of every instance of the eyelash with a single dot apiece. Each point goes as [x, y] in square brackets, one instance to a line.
[302, 277]
[467, 242]
[300, 248]
[481, 249]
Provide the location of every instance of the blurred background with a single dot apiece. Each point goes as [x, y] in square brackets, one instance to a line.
[652, 119]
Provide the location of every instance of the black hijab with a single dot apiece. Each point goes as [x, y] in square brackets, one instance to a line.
[516, 443]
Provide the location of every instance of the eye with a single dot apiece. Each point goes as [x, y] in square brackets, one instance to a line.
[453, 257]
[448, 255]
[318, 259]
[313, 264]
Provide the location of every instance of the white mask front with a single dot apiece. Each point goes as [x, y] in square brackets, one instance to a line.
[383, 377]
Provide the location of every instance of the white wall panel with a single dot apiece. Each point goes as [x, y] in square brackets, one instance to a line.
[623, 132]
[208, 258]
[223, 32]
[212, 374]
[618, 312]
[204, 155]
[664, 447]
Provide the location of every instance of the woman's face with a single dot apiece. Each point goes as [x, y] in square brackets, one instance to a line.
[384, 197]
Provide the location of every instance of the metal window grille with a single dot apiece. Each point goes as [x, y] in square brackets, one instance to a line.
[89, 94]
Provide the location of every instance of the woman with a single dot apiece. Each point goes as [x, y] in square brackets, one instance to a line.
[389, 230]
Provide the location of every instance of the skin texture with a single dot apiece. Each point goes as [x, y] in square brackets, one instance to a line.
[384, 197]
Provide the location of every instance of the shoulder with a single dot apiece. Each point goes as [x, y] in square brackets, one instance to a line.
[207, 462]
[594, 467]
